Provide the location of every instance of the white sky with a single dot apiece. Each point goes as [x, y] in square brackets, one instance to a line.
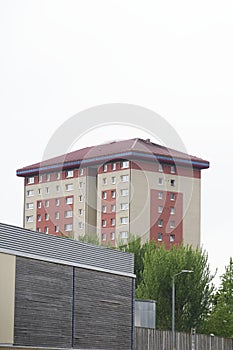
[174, 57]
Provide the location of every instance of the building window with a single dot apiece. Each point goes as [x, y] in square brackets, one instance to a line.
[160, 195]
[124, 164]
[172, 169]
[69, 173]
[30, 193]
[68, 227]
[172, 224]
[68, 214]
[80, 225]
[160, 209]
[57, 188]
[47, 190]
[39, 191]
[57, 202]
[104, 208]
[160, 237]
[56, 229]
[80, 198]
[172, 210]
[104, 223]
[81, 171]
[113, 222]
[38, 217]
[80, 211]
[47, 217]
[104, 195]
[113, 166]
[113, 194]
[104, 181]
[69, 200]
[124, 234]
[113, 208]
[57, 215]
[124, 192]
[124, 220]
[113, 180]
[31, 180]
[104, 236]
[172, 238]
[105, 168]
[112, 236]
[124, 178]
[160, 223]
[172, 196]
[58, 176]
[30, 206]
[124, 206]
[160, 167]
[46, 204]
[40, 178]
[160, 181]
[38, 229]
[69, 187]
[47, 177]
[172, 182]
[46, 229]
[39, 204]
[80, 184]
[29, 218]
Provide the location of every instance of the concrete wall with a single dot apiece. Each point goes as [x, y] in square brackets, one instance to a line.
[7, 297]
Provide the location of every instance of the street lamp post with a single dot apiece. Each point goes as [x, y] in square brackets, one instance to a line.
[173, 304]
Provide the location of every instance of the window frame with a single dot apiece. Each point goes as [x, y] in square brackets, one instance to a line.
[124, 164]
[122, 192]
[69, 174]
[31, 180]
[69, 200]
[160, 222]
[122, 220]
[69, 187]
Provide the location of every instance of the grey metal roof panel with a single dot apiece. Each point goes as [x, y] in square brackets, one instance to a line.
[23, 242]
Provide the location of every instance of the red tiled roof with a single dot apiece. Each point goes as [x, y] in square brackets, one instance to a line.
[115, 149]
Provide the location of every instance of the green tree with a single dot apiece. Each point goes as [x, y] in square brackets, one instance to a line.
[134, 246]
[220, 321]
[193, 290]
[87, 238]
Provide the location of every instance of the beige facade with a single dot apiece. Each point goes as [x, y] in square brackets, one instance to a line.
[7, 298]
[132, 201]
[142, 182]
[80, 188]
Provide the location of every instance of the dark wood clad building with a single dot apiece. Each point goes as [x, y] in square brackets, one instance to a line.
[60, 293]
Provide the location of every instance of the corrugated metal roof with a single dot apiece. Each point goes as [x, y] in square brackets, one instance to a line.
[22, 242]
[101, 153]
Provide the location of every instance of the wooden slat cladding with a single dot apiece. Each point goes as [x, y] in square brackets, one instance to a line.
[43, 304]
[102, 311]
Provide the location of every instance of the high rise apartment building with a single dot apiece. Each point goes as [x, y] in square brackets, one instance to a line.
[132, 186]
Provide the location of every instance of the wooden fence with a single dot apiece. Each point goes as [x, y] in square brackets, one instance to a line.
[151, 339]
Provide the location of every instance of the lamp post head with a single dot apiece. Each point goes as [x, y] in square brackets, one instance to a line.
[182, 271]
[186, 271]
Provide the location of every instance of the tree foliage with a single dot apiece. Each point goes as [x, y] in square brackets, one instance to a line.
[193, 290]
[91, 239]
[134, 246]
[220, 320]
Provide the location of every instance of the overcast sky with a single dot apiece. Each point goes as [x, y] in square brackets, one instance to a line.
[58, 58]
